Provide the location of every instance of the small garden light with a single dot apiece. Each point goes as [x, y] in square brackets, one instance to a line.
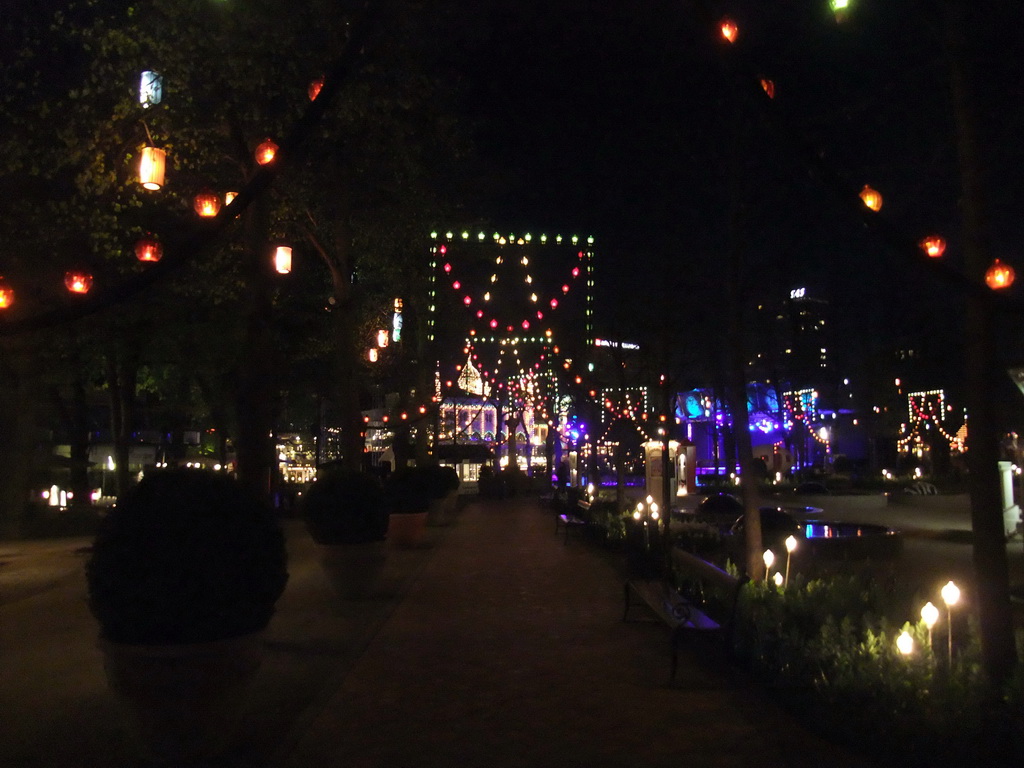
[950, 596]
[778, 579]
[905, 643]
[929, 615]
[790, 546]
[769, 558]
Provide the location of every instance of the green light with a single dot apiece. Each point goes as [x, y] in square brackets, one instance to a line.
[839, 5]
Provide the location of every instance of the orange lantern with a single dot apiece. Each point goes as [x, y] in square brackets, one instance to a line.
[769, 87]
[933, 245]
[77, 281]
[283, 259]
[206, 204]
[729, 29]
[6, 294]
[229, 196]
[314, 88]
[266, 152]
[152, 163]
[999, 275]
[871, 198]
[148, 249]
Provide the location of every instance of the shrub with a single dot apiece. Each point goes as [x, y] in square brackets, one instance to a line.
[346, 507]
[409, 490]
[186, 556]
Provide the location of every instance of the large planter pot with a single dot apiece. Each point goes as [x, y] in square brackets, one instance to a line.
[183, 701]
[407, 530]
[354, 570]
[442, 511]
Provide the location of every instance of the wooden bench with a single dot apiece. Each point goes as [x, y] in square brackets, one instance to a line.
[679, 613]
[569, 521]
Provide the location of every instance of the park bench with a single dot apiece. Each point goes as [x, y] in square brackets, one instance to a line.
[571, 519]
[680, 613]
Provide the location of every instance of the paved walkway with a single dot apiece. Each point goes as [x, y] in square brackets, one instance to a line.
[509, 650]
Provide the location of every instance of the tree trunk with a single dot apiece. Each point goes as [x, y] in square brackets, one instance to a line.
[17, 426]
[990, 560]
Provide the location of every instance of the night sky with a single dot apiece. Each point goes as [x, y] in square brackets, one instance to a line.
[621, 119]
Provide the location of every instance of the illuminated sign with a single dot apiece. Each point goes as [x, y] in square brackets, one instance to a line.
[798, 293]
[615, 344]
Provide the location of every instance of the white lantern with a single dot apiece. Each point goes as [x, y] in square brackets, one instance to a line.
[283, 259]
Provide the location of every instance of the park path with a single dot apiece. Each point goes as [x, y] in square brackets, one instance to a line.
[510, 650]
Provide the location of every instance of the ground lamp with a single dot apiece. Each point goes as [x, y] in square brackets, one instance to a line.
[769, 558]
[148, 249]
[152, 163]
[6, 294]
[905, 643]
[950, 596]
[999, 275]
[77, 281]
[206, 204]
[929, 615]
[790, 546]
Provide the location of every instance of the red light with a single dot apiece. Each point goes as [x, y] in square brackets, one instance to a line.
[934, 246]
[526, 325]
[554, 303]
[467, 300]
[769, 87]
[479, 313]
[510, 329]
[443, 249]
[456, 285]
[540, 315]
[78, 282]
[494, 323]
[447, 267]
[565, 289]
[575, 271]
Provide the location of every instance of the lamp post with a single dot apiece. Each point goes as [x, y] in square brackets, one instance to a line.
[950, 596]
[769, 558]
[930, 615]
[905, 643]
[790, 547]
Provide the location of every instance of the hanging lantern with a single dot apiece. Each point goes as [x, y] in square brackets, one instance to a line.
[372, 355]
[382, 338]
[266, 152]
[933, 245]
[314, 88]
[151, 167]
[871, 198]
[999, 275]
[148, 249]
[77, 281]
[229, 197]
[206, 204]
[6, 294]
[769, 87]
[151, 89]
[729, 29]
[839, 8]
[283, 259]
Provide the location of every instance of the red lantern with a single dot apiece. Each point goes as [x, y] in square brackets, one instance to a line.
[933, 245]
[6, 294]
[206, 204]
[266, 152]
[871, 198]
[729, 29]
[77, 281]
[999, 275]
[314, 88]
[769, 87]
[148, 249]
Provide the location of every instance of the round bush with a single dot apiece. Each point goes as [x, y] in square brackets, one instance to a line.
[186, 556]
[346, 508]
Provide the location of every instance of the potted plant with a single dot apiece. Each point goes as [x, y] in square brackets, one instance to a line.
[346, 514]
[183, 577]
[442, 484]
[408, 494]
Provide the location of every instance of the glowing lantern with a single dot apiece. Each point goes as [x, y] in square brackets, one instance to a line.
[382, 338]
[467, 300]
[314, 88]
[229, 197]
[266, 152]
[151, 89]
[6, 294]
[554, 303]
[151, 167]
[871, 198]
[447, 267]
[769, 87]
[839, 8]
[933, 245]
[575, 271]
[565, 289]
[372, 355]
[206, 204]
[456, 285]
[526, 325]
[283, 259]
[77, 281]
[494, 323]
[729, 29]
[999, 275]
[148, 249]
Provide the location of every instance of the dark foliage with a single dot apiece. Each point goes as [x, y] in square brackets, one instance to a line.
[186, 557]
[346, 507]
